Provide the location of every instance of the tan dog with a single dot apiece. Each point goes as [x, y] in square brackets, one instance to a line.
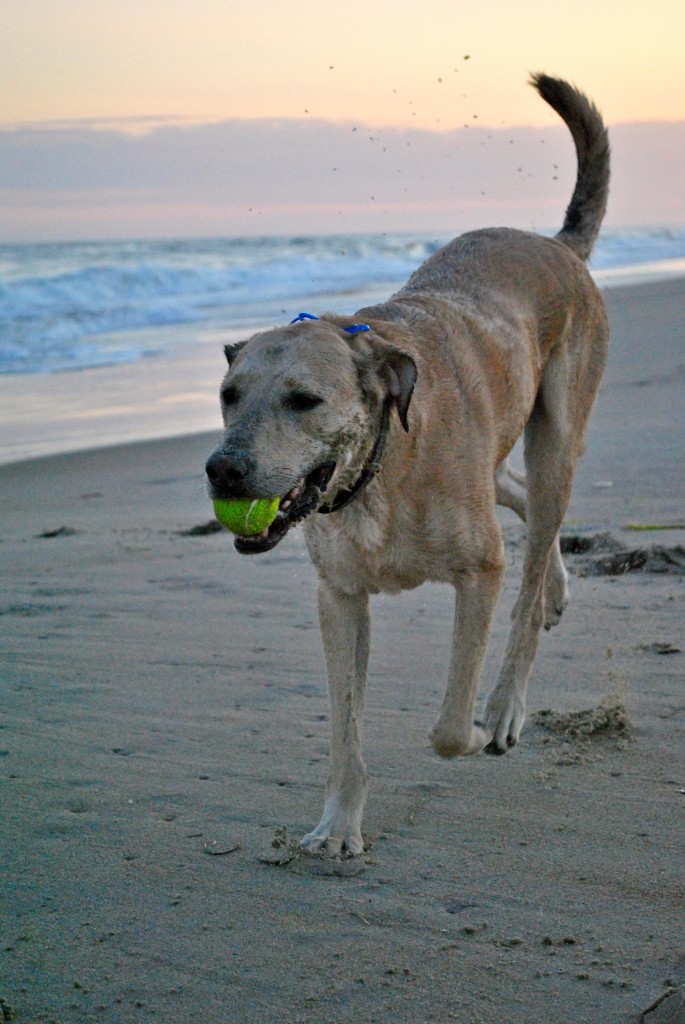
[396, 424]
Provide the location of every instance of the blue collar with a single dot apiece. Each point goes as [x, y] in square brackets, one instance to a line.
[354, 329]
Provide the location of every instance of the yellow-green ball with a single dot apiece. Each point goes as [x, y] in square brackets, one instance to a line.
[244, 516]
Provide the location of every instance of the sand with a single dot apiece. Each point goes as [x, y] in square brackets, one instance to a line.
[163, 742]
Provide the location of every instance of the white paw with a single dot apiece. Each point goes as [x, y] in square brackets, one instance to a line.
[322, 842]
[504, 718]
[338, 834]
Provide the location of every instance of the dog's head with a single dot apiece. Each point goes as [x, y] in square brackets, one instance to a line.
[302, 406]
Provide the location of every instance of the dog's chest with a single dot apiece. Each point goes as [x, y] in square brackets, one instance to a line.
[369, 550]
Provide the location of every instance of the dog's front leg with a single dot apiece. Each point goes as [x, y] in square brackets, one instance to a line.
[344, 623]
[455, 732]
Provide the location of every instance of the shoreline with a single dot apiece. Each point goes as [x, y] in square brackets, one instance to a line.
[169, 395]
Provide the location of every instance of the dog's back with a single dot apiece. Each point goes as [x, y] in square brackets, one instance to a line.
[496, 303]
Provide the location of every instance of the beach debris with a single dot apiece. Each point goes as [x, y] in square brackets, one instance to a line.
[215, 849]
[282, 849]
[654, 526]
[656, 559]
[202, 529]
[601, 554]
[589, 543]
[608, 720]
[280, 837]
[660, 648]
[60, 531]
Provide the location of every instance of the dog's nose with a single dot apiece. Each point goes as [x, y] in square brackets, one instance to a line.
[225, 469]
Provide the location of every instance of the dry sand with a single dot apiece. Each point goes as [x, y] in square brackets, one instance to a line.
[164, 737]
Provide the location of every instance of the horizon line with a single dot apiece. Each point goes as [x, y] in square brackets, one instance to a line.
[150, 123]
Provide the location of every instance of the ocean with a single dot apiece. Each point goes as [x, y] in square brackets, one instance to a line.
[70, 306]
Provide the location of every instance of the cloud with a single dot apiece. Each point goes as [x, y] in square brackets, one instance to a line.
[159, 178]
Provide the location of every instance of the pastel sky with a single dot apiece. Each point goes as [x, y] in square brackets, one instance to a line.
[91, 85]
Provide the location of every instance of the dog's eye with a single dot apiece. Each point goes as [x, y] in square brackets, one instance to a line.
[229, 395]
[302, 401]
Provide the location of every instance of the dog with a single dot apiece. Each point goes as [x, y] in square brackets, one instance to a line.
[387, 433]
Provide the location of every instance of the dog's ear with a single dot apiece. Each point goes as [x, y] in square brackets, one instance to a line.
[397, 370]
[380, 362]
[400, 373]
[231, 351]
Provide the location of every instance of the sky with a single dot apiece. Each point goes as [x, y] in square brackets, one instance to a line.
[125, 118]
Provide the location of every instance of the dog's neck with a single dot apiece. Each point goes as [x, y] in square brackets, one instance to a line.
[370, 470]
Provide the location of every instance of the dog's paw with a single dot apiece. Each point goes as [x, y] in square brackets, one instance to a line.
[556, 591]
[322, 844]
[448, 743]
[504, 718]
[338, 834]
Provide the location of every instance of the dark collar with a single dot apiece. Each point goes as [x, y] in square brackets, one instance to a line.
[370, 470]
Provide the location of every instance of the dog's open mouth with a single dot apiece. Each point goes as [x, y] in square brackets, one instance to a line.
[299, 502]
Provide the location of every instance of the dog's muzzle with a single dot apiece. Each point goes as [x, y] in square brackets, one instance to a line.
[228, 475]
[299, 502]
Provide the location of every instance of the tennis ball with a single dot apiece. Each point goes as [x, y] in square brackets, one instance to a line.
[244, 516]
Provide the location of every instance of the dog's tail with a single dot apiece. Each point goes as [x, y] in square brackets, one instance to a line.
[589, 200]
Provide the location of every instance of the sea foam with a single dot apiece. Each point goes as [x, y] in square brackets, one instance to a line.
[69, 306]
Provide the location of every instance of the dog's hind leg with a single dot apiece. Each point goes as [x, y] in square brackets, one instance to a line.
[511, 493]
[553, 440]
[549, 461]
[345, 629]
